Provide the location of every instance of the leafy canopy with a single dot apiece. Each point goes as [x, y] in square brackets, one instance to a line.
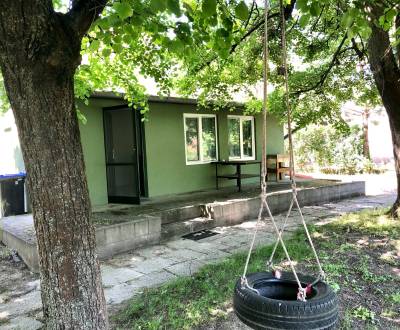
[213, 50]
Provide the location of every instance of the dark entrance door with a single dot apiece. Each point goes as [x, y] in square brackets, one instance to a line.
[121, 144]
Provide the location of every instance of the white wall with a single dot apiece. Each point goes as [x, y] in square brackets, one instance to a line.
[11, 160]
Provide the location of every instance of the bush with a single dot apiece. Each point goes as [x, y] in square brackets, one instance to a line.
[325, 149]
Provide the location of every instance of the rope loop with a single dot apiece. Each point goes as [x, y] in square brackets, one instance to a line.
[301, 294]
[245, 284]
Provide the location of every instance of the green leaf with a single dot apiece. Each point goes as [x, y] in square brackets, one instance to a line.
[123, 9]
[241, 11]
[390, 14]
[302, 5]
[158, 5]
[173, 6]
[347, 20]
[304, 19]
[352, 32]
[315, 9]
[226, 22]
[94, 45]
[209, 8]
[117, 48]
[106, 52]
[176, 46]
[104, 23]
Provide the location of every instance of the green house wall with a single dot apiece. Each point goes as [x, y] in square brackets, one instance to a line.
[165, 150]
[167, 172]
[92, 137]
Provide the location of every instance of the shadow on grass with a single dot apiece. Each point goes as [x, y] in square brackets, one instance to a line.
[359, 252]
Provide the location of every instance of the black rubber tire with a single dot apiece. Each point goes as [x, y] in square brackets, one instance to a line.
[320, 311]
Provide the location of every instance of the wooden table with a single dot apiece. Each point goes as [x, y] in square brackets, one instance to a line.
[238, 176]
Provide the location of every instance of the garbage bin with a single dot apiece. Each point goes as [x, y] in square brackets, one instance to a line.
[13, 199]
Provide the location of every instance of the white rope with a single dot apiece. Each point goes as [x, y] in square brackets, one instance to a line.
[269, 264]
[264, 132]
[289, 124]
[263, 199]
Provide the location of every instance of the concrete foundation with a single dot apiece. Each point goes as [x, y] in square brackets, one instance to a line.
[234, 212]
[129, 232]
[110, 240]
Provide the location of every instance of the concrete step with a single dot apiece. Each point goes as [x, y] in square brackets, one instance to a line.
[181, 214]
[181, 228]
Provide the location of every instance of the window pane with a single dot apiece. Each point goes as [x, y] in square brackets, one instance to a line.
[247, 138]
[192, 139]
[234, 137]
[208, 143]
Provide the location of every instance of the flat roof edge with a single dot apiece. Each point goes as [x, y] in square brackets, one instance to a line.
[154, 98]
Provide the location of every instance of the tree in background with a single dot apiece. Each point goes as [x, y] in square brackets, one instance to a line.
[327, 150]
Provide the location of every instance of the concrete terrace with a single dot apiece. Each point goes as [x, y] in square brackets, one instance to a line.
[121, 228]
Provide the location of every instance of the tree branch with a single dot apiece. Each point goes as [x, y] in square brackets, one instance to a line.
[83, 13]
[294, 130]
[255, 27]
[360, 53]
[321, 81]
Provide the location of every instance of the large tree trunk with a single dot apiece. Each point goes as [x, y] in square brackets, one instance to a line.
[39, 53]
[387, 77]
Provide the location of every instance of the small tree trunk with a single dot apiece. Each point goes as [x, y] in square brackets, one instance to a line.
[365, 116]
[39, 53]
[387, 77]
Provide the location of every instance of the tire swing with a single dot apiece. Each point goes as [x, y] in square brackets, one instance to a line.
[287, 300]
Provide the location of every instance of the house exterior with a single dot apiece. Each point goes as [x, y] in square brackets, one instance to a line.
[171, 153]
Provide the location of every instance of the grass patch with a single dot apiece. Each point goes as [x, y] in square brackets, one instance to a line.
[189, 301]
[352, 271]
[369, 222]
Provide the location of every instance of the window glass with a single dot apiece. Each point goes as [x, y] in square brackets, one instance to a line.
[200, 138]
[234, 137]
[209, 147]
[247, 133]
[192, 139]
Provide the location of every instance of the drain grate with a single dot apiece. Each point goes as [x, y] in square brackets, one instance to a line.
[198, 235]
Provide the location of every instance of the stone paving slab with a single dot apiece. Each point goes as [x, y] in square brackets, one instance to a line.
[153, 265]
[128, 274]
[22, 323]
[112, 276]
[186, 268]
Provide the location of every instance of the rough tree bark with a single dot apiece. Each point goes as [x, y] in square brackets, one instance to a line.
[39, 53]
[387, 77]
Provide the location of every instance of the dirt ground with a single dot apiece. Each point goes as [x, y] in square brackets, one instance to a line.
[15, 280]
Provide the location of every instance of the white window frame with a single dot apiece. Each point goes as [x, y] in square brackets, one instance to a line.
[200, 132]
[253, 137]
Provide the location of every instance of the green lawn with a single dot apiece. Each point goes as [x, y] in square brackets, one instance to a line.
[362, 270]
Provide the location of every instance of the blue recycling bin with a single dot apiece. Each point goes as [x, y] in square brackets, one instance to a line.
[12, 194]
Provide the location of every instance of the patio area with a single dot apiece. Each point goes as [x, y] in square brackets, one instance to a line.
[121, 228]
[114, 213]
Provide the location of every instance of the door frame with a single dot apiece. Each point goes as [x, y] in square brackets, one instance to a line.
[141, 168]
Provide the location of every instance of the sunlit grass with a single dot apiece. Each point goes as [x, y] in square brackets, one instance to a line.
[375, 222]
